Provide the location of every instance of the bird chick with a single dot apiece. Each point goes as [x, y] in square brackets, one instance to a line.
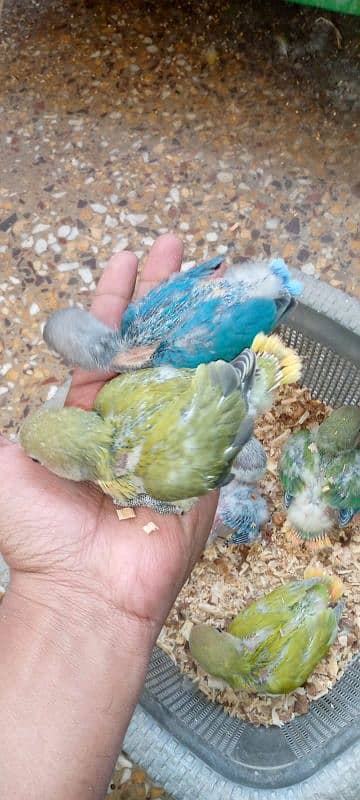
[160, 437]
[273, 645]
[240, 515]
[184, 321]
[320, 474]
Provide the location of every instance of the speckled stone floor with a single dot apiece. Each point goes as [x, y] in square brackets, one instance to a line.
[234, 124]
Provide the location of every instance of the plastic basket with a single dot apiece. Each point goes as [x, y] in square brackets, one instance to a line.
[190, 745]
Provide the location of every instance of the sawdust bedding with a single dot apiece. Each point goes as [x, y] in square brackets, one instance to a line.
[228, 577]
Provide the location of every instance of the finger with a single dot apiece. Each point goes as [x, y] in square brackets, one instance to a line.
[15, 465]
[115, 288]
[164, 258]
[197, 525]
[112, 296]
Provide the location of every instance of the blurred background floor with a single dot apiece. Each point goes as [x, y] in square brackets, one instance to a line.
[234, 124]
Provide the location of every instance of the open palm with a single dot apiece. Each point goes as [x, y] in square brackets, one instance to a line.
[68, 533]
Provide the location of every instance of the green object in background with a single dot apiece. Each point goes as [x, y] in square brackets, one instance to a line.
[342, 6]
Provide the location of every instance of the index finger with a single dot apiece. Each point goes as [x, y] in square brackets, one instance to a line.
[115, 288]
[113, 294]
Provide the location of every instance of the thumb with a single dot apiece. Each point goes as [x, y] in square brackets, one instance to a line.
[17, 478]
[9, 450]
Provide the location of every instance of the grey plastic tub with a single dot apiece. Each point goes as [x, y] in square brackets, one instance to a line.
[187, 743]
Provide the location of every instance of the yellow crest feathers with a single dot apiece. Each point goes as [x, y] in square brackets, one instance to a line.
[269, 344]
[335, 584]
[288, 361]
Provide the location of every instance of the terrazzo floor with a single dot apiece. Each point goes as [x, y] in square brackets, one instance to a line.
[235, 125]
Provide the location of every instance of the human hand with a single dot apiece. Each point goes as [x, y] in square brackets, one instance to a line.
[64, 538]
[87, 597]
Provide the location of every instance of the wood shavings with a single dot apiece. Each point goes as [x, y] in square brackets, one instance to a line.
[216, 683]
[228, 577]
[125, 513]
[303, 418]
[186, 629]
[150, 527]
[275, 719]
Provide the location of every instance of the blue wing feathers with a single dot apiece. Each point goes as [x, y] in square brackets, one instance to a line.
[207, 268]
[234, 329]
[196, 321]
[170, 292]
[345, 516]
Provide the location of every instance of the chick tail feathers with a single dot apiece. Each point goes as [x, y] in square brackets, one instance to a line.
[237, 376]
[245, 365]
[334, 583]
[282, 364]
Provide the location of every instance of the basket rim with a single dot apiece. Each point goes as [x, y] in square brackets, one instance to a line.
[187, 777]
[329, 301]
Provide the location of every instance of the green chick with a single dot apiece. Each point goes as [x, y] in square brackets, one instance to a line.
[147, 440]
[159, 437]
[320, 474]
[274, 645]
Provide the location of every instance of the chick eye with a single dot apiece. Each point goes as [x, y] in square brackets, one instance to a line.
[35, 460]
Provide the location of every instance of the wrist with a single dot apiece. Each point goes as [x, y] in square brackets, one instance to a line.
[52, 607]
[71, 671]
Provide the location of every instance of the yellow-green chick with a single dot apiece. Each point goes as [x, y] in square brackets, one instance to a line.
[274, 645]
[161, 437]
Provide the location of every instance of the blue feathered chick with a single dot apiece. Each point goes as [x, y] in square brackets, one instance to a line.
[242, 511]
[240, 515]
[185, 321]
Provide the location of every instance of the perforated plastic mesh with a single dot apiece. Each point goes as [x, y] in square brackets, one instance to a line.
[307, 741]
[180, 698]
[329, 715]
[329, 377]
[338, 709]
